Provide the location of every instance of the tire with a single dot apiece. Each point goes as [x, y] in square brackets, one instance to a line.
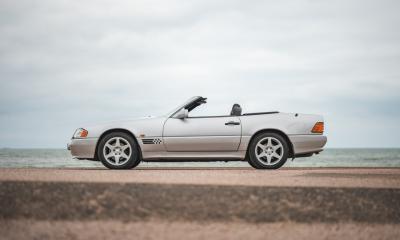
[268, 151]
[250, 162]
[118, 150]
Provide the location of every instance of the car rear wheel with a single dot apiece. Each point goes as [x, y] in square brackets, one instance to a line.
[268, 151]
[118, 150]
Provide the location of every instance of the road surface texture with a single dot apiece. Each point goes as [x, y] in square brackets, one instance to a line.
[200, 203]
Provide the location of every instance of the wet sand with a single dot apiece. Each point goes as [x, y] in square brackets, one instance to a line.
[317, 203]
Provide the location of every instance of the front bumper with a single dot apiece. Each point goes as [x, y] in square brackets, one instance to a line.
[83, 148]
[307, 143]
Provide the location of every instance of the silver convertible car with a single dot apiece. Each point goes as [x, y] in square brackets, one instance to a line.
[264, 139]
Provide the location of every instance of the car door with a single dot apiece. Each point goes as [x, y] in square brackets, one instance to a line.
[202, 134]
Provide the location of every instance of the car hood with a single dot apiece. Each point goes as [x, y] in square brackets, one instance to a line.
[96, 130]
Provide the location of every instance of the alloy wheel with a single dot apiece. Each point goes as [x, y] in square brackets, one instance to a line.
[117, 151]
[269, 151]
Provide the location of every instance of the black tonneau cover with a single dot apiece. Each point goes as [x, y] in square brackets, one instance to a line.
[259, 113]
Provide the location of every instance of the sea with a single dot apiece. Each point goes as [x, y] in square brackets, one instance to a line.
[338, 157]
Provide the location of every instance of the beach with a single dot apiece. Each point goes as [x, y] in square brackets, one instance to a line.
[198, 203]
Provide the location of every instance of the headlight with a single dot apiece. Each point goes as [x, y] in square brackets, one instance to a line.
[80, 133]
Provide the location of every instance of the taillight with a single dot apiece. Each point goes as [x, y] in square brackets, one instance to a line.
[318, 128]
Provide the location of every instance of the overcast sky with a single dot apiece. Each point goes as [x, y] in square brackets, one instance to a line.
[64, 64]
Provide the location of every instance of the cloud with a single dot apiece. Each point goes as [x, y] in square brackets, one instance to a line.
[63, 63]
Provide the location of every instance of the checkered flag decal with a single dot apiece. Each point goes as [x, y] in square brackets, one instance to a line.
[157, 141]
[151, 141]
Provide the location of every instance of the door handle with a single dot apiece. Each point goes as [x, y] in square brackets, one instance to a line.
[232, 123]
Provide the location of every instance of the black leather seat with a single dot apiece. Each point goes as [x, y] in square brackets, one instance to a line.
[236, 110]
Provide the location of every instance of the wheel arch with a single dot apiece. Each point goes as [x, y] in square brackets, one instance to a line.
[118, 130]
[272, 130]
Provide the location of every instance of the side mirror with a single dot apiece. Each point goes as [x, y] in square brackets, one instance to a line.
[182, 114]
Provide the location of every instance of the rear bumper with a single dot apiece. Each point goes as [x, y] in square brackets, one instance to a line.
[307, 143]
[83, 148]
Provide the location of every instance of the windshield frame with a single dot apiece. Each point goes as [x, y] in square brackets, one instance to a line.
[187, 103]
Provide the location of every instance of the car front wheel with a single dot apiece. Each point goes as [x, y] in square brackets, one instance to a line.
[268, 151]
[118, 150]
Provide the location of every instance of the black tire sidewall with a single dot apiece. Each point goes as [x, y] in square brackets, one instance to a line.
[133, 161]
[254, 162]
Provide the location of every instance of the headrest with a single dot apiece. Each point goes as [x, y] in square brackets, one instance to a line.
[236, 110]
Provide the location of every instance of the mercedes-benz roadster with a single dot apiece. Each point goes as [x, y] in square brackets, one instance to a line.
[264, 139]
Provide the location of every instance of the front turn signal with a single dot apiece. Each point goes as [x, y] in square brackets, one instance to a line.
[80, 133]
[84, 133]
[318, 128]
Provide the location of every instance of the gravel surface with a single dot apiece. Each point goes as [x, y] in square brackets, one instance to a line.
[174, 202]
[289, 177]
